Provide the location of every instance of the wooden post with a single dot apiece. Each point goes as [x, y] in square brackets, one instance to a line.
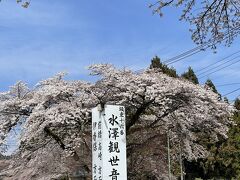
[168, 151]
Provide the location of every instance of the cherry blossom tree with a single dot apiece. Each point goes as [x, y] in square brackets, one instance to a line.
[56, 114]
[212, 21]
[24, 3]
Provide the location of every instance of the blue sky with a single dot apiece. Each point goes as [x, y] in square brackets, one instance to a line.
[69, 35]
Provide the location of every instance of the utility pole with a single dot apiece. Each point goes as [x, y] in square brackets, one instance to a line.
[168, 151]
[180, 159]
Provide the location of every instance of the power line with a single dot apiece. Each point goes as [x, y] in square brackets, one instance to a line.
[219, 69]
[184, 57]
[196, 49]
[218, 65]
[217, 62]
[199, 48]
[232, 92]
[183, 54]
[237, 97]
[227, 84]
[174, 60]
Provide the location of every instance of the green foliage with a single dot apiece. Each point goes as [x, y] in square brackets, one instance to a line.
[229, 152]
[210, 84]
[237, 104]
[224, 160]
[157, 64]
[190, 75]
[225, 99]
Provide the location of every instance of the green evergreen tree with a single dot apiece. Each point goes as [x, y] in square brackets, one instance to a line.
[225, 99]
[229, 152]
[210, 84]
[224, 160]
[191, 76]
[237, 104]
[157, 64]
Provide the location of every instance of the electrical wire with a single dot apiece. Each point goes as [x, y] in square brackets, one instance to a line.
[219, 69]
[218, 65]
[229, 84]
[199, 48]
[184, 57]
[217, 62]
[194, 50]
[232, 92]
